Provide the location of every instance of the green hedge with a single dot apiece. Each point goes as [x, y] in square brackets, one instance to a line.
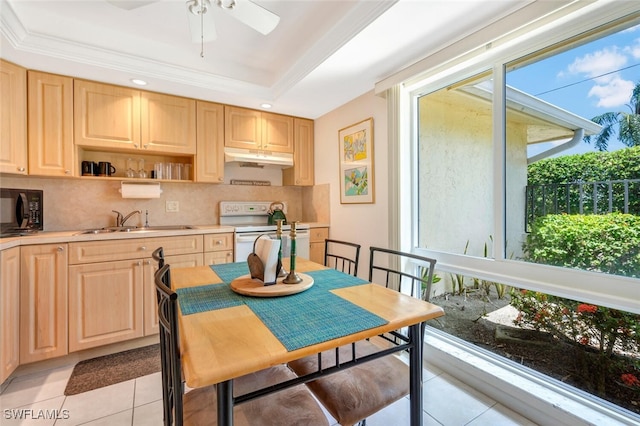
[603, 243]
[588, 167]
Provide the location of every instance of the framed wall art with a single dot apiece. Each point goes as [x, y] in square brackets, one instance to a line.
[356, 163]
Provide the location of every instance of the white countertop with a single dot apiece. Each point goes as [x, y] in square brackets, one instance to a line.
[52, 237]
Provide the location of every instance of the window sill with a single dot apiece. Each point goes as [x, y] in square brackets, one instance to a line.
[538, 397]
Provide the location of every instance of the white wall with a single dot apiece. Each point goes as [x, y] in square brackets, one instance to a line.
[365, 224]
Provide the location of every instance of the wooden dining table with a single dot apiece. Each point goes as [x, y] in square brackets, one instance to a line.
[225, 335]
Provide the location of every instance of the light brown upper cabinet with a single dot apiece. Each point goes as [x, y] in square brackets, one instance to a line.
[13, 110]
[302, 172]
[113, 117]
[251, 129]
[168, 123]
[50, 112]
[210, 137]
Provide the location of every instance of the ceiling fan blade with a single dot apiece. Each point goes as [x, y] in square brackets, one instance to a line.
[201, 25]
[253, 15]
[130, 4]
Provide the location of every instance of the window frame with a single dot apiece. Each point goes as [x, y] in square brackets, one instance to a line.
[621, 292]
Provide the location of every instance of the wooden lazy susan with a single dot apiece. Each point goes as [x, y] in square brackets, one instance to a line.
[248, 286]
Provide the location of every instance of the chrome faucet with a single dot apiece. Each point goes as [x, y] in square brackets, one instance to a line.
[120, 220]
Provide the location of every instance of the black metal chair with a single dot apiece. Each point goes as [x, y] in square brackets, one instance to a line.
[354, 394]
[342, 256]
[158, 256]
[292, 406]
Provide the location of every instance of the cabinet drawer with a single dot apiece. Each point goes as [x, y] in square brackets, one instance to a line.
[106, 251]
[218, 257]
[184, 244]
[318, 234]
[218, 242]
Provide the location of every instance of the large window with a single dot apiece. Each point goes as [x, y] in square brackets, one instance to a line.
[507, 193]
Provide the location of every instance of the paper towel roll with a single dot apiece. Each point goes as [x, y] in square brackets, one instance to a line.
[140, 190]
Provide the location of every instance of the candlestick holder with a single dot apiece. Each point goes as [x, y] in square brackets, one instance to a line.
[281, 272]
[292, 277]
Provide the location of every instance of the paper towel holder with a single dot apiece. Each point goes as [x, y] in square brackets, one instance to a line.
[140, 189]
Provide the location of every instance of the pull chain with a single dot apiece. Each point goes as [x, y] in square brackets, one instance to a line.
[202, 29]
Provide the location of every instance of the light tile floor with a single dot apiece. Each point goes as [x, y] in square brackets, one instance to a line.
[39, 399]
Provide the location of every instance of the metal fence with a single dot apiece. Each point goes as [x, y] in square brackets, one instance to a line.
[582, 198]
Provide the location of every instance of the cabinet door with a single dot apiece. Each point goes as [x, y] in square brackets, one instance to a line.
[277, 132]
[43, 302]
[150, 298]
[210, 142]
[9, 311]
[302, 172]
[168, 123]
[13, 110]
[316, 244]
[242, 128]
[105, 303]
[106, 116]
[50, 124]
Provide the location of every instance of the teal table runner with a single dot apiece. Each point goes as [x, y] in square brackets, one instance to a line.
[298, 320]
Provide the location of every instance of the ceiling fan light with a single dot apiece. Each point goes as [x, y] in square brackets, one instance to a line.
[201, 21]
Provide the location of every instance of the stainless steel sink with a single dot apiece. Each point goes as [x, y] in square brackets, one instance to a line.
[111, 229]
[161, 228]
[96, 231]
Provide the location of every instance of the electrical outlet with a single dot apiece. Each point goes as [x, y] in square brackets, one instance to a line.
[172, 207]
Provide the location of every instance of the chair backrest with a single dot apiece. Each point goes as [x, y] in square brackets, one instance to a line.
[401, 270]
[158, 256]
[172, 386]
[342, 255]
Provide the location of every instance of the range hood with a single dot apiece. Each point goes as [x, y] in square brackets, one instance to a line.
[257, 157]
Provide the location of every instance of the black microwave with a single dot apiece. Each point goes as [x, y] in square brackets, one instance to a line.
[21, 211]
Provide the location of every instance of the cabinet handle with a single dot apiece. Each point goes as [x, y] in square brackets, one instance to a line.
[21, 169]
[219, 242]
[67, 172]
[138, 263]
[143, 248]
[145, 146]
[147, 262]
[135, 145]
[60, 248]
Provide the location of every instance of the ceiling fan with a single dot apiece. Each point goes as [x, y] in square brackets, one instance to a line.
[201, 21]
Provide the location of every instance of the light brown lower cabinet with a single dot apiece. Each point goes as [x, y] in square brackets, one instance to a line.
[105, 303]
[9, 311]
[43, 302]
[218, 248]
[151, 325]
[316, 244]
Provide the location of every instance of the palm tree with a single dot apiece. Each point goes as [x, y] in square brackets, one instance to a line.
[628, 124]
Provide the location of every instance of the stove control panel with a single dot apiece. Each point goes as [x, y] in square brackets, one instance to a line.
[246, 208]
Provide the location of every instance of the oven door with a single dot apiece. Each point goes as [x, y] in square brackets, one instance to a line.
[244, 244]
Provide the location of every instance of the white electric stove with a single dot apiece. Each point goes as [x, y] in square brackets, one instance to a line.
[250, 220]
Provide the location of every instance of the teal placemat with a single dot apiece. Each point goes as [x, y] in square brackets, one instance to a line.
[295, 320]
[330, 279]
[230, 271]
[207, 298]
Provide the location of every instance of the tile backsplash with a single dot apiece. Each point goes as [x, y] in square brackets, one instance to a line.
[71, 204]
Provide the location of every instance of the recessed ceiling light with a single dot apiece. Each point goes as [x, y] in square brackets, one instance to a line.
[265, 105]
[138, 82]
